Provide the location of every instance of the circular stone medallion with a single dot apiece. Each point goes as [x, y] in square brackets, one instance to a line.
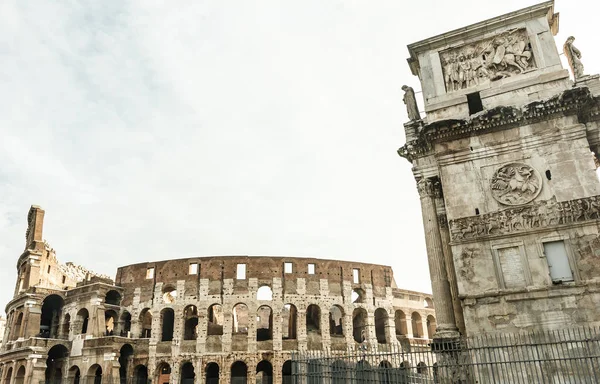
[515, 184]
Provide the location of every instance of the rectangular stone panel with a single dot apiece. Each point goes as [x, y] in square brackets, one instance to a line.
[511, 267]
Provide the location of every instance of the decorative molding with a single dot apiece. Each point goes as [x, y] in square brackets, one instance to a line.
[541, 214]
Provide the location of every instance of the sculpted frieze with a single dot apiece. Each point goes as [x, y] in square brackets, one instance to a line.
[515, 184]
[492, 59]
[540, 214]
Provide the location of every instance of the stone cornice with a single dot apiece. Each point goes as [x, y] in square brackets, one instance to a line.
[576, 101]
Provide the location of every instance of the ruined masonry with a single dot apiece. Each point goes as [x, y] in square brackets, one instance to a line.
[505, 163]
[199, 320]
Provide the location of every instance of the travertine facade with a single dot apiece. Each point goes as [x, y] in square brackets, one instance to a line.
[197, 320]
[506, 169]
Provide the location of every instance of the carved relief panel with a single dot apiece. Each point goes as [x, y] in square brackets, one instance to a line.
[487, 60]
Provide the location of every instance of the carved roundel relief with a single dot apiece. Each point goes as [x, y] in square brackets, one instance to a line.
[515, 184]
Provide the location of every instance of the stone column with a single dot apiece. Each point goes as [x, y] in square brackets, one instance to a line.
[437, 264]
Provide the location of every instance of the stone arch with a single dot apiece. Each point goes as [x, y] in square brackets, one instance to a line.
[264, 293]
[417, 324]
[163, 373]
[83, 318]
[381, 325]
[400, 323]
[51, 313]
[187, 374]
[431, 326]
[167, 324]
[240, 318]
[358, 296]
[264, 372]
[190, 325]
[289, 317]
[20, 375]
[215, 320]
[360, 325]
[264, 323]
[125, 360]
[339, 372]
[112, 297]
[125, 324]
[314, 374]
[363, 372]
[140, 374]
[313, 318]
[336, 321]
[8, 377]
[428, 303]
[169, 294]
[57, 356]
[94, 374]
[386, 372]
[239, 372]
[422, 368]
[74, 375]
[286, 372]
[146, 323]
[110, 322]
[212, 372]
[17, 327]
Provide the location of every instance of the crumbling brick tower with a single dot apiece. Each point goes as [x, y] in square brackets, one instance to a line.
[505, 168]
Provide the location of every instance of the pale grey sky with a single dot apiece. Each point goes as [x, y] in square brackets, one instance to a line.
[151, 130]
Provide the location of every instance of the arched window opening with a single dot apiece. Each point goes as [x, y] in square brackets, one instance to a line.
[74, 375]
[336, 321]
[94, 374]
[8, 376]
[190, 314]
[240, 318]
[57, 356]
[431, 326]
[17, 328]
[358, 296]
[110, 318]
[264, 373]
[314, 374]
[428, 302]
[140, 374]
[264, 323]
[400, 323]
[83, 317]
[146, 323]
[381, 324]
[125, 360]
[339, 372]
[167, 324]
[113, 298]
[66, 326]
[313, 319]
[359, 325]
[286, 372]
[264, 293]
[386, 373]
[417, 325]
[169, 294]
[51, 314]
[422, 368]
[404, 366]
[212, 373]
[215, 320]
[20, 376]
[187, 373]
[125, 324]
[364, 373]
[289, 318]
[239, 373]
[164, 373]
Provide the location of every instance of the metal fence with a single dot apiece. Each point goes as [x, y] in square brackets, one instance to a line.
[559, 356]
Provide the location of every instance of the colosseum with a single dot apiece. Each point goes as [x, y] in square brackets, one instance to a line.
[221, 319]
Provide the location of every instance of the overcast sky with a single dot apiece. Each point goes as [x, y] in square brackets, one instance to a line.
[152, 130]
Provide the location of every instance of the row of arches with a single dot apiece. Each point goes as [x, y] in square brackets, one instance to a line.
[241, 321]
